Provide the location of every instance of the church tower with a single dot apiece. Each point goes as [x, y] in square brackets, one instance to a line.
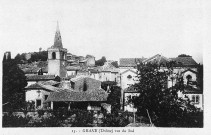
[57, 57]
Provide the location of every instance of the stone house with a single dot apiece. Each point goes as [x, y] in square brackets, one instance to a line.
[39, 92]
[84, 92]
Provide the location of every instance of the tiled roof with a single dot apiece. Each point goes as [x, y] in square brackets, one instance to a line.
[34, 86]
[129, 70]
[73, 68]
[52, 88]
[189, 70]
[42, 87]
[94, 70]
[39, 77]
[31, 70]
[50, 82]
[130, 62]
[108, 67]
[185, 61]
[79, 78]
[70, 95]
[159, 59]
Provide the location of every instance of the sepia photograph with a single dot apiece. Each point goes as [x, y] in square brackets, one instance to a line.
[90, 66]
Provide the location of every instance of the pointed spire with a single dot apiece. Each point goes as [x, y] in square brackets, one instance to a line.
[57, 39]
[57, 27]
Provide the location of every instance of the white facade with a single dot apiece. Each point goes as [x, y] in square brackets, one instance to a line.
[196, 99]
[72, 72]
[129, 107]
[128, 77]
[189, 73]
[38, 96]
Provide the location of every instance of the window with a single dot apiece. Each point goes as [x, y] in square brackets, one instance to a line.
[189, 79]
[129, 76]
[195, 99]
[63, 56]
[46, 96]
[72, 85]
[53, 55]
[38, 102]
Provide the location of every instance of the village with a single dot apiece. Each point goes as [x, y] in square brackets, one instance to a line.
[67, 88]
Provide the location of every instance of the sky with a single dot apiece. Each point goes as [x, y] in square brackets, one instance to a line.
[111, 28]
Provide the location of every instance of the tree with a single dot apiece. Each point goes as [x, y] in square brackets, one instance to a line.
[158, 102]
[39, 56]
[101, 61]
[114, 98]
[115, 64]
[14, 81]
[19, 58]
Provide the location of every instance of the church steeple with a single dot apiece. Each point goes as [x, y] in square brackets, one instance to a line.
[57, 38]
[57, 56]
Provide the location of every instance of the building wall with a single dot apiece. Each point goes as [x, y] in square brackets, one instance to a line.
[191, 74]
[95, 76]
[128, 106]
[200, 103]
[57, 66]
[90, 61]
[125, 81]
[30, 82]
[71, 73]
[105, 76]
[114, 76]
[33, 95]
[91, 84]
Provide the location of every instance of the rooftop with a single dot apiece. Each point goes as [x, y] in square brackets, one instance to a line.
[108, 67]
[130, 62]
[39, 86]
[39, 77]
[70, 95]
[185, 61]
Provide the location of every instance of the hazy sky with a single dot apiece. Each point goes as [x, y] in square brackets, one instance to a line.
[112, 28]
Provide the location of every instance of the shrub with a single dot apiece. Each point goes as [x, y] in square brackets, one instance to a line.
[116, 120]
[83, 118]
[15, 121]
